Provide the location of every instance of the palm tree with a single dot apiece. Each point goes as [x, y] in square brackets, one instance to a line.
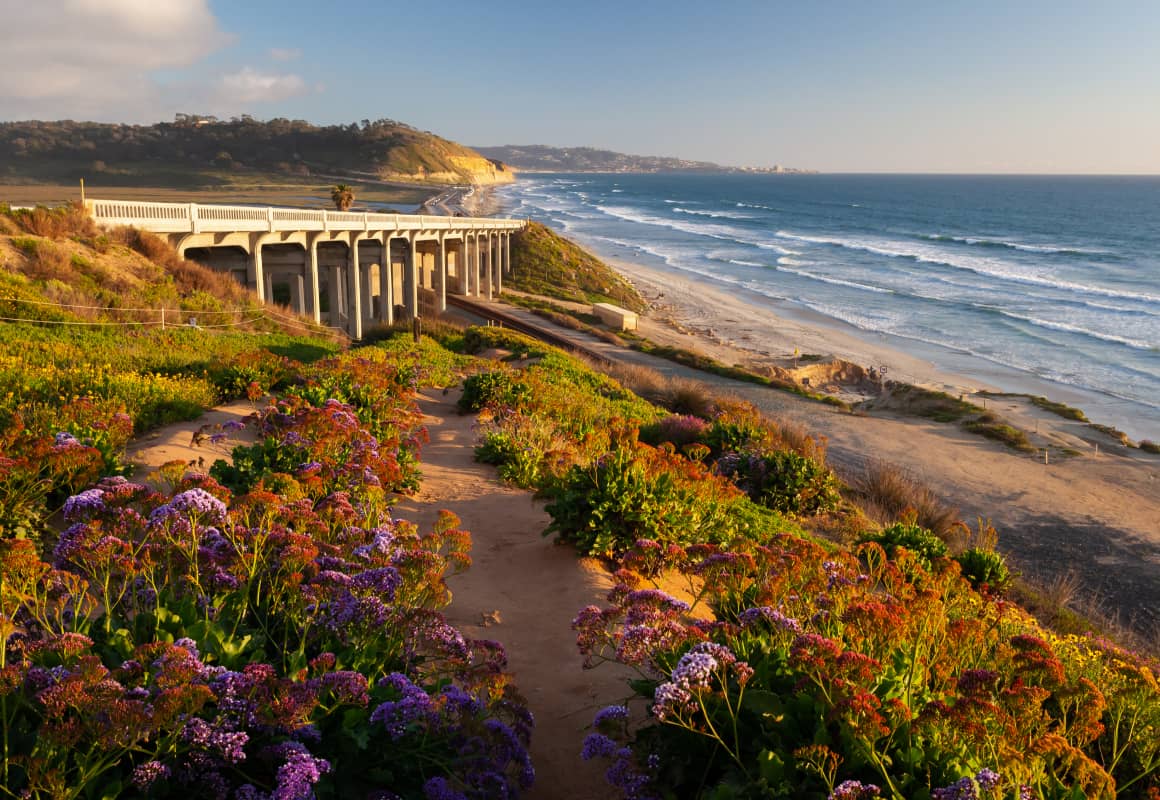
[343, 196]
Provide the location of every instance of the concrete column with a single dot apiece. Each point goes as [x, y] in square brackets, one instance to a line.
[476, 255]
[336, 296]
[368, 291]
[507, 253]
[490, 277]
[354, 313]
[411, 278]
[298, 293]
[463, 267]
[269, 286]
[386, 285]
[499, 257]
[441, 274]
[313, 301]
[255, 272]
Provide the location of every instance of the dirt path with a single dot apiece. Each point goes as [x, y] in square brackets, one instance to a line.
[1096, 518]
[532, 586]
[521, 590]
[175, 442]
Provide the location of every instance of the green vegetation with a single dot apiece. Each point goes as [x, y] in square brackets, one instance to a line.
[196, 151]
[275, 631]
[546, 263]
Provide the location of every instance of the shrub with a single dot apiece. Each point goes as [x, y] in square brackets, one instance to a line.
[677, 429]
[908, 534]
[783, 481]
[500, 387]
[639, 492]
[981, 566]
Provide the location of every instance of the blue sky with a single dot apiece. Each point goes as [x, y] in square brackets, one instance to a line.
[1016, 86]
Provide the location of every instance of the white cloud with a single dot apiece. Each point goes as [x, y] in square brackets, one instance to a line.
[96, 59]
[285, 53]
[250, 86]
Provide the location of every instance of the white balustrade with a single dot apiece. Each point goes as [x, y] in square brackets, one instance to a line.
[198, 218]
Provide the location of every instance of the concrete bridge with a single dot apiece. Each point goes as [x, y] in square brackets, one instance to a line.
[351, 268]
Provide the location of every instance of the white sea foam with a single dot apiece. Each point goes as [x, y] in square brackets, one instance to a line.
[715, 214]
[1065, 327]
[1012, 245]
[784, 264]
[982, 266]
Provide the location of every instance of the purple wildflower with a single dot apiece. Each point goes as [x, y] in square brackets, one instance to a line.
[439, 788]
[64, 439]
[751, 616]
[414, 706]
[230, 745]
[298, 773]
[192, 502]
[597, 745]
[610, 714]
[346, 686]
[383, 581]
[145, 775]
[694, 670]
[854, 790]
[84, 505]
[669, 698]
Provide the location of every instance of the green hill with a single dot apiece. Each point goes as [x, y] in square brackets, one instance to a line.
[546, 263]
[195, 150]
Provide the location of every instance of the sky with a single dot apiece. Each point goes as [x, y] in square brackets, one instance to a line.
[1019, 86]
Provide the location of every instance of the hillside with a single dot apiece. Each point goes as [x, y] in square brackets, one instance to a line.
[543, 158]
[546, 263]
[195, 151]
[57, 267]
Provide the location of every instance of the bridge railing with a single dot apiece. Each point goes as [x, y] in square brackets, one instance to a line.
[199, 218]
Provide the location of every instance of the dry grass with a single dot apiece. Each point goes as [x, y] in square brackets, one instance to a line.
[69, 220]
[685, 396]
[643, 381]
[188, 276]
[887, 490]
[1064, 605]
[44, 260]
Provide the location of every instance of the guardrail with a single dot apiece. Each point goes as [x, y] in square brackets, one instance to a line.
[202, 218]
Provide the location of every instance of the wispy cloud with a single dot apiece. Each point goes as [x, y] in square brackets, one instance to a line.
[248, 85]
[285, 53]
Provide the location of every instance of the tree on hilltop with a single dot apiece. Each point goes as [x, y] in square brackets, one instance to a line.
[343, 196]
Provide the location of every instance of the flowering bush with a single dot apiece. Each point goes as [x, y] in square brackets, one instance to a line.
[269, 644]
[835, 676]
[908, 534]
[782, 480]
[636, 491]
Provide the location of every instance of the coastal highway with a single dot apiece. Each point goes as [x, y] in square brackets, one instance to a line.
[449, 202]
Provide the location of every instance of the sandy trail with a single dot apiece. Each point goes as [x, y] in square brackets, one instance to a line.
[175, 442]
[1094, 516]
[532, 586]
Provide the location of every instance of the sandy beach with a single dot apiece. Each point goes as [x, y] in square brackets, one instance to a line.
[1088, 516]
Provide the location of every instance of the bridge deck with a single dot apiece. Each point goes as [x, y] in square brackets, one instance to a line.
[202, 218]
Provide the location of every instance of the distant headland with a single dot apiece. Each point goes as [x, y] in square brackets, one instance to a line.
[544, 158]
[198, 150]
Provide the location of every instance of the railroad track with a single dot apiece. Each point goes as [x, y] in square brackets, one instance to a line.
[509, 321]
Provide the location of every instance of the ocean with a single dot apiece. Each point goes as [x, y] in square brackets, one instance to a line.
[1048, 285]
